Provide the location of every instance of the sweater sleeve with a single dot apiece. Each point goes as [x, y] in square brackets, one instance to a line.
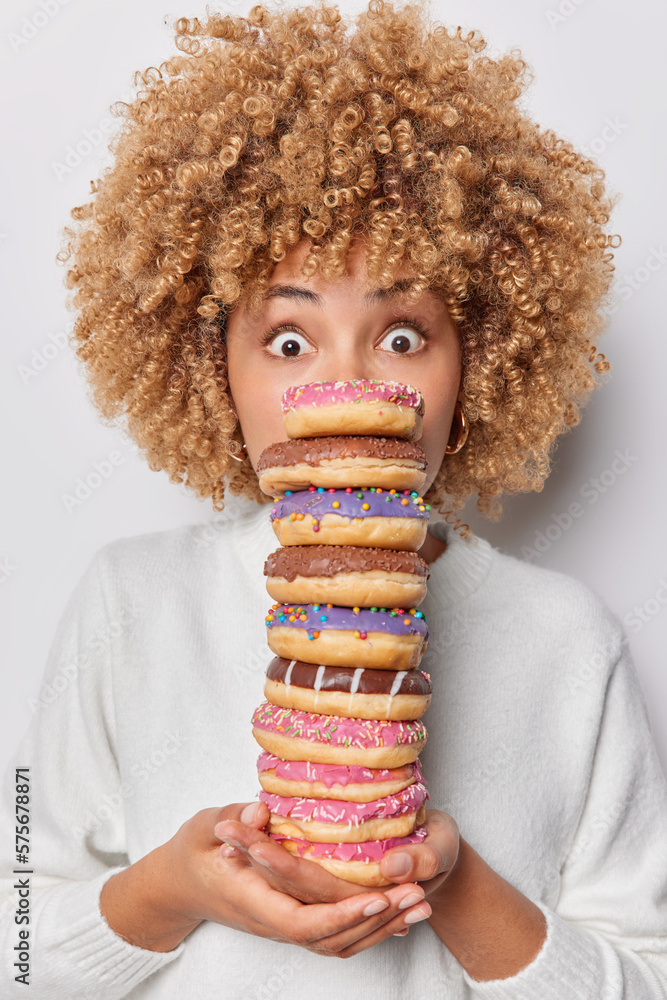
[77, 832]
[607, 935]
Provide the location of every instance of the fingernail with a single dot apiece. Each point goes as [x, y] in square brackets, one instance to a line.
[232, 843]
[375, 907]
[398, 865]
[259, 859]
[410, 900]
[226, 851]
[402, 933]
[249, 814]
[420, 914]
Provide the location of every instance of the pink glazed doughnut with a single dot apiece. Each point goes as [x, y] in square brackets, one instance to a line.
[346, 822]
[355, 406]
[335, 739]
[358, 863]
[349, 783]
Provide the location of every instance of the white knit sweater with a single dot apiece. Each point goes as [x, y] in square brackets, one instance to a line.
[538, 746]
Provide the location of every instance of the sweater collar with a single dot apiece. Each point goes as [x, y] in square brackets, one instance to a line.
[252, 535]
[460, 570]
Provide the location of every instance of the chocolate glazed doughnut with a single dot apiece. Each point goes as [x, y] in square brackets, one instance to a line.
[341, 461]
[353, 692]
[346, 574]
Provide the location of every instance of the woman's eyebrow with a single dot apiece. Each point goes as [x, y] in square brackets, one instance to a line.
[306, 295]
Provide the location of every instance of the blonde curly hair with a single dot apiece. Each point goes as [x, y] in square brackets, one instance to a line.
[281, 126]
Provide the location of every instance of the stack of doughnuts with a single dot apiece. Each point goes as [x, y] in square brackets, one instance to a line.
[340, 729]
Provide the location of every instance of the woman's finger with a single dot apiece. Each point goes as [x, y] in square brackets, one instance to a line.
[299, 877]
[227, 851]
[354, 940]
[286, 918]
[328, 928]
[251, 814]
[289, 873]
[308, 882]
[237, 834]
[434, 856]
[284, 871]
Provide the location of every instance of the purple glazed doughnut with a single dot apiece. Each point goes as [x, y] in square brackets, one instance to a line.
[380, 638]
[378, 518]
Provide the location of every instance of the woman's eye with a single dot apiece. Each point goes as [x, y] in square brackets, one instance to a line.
[289, 345]
[402, 340]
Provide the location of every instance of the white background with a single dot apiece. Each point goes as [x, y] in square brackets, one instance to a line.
[600, 82]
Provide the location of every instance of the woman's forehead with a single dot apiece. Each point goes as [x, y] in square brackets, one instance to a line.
[287, 280]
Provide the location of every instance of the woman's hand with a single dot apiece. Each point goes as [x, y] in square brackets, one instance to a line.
[429, 862]
[310, 883]
[488, 925]
[159, 900]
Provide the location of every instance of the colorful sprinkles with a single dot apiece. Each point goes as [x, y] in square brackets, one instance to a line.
[372, 501]
[359, 621]
[339, 730]
[352, 391]
[352, 504]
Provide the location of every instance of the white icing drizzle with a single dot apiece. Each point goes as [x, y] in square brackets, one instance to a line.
[318, 682]
[354, 686]
[395, 687]
[288, 676]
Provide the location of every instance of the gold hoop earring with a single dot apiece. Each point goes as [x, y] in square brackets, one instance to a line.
[243, 454]
[461, 433]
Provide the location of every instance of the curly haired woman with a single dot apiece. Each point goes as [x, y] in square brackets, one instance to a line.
[290, 202]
